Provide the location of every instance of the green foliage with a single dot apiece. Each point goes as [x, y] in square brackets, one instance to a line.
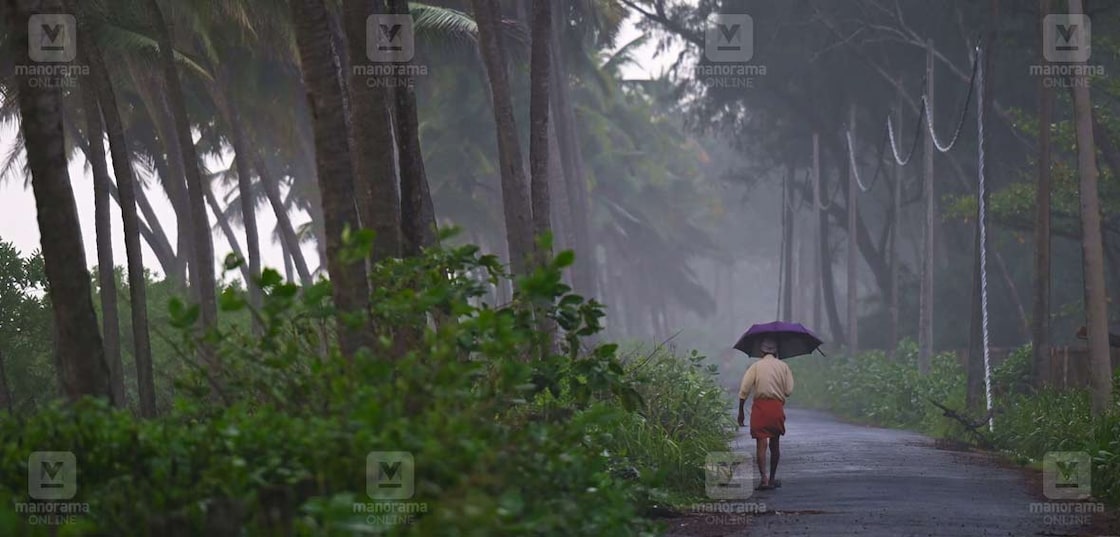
[25, 330]
[511, 432]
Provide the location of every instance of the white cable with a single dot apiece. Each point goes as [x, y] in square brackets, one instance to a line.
[852, 160]
[981, 221]
[894, 144]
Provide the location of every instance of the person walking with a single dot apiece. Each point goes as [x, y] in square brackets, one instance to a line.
[771, 382]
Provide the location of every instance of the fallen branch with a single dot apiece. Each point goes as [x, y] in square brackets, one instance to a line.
[970, 425]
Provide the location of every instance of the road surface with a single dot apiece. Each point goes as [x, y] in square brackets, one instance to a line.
[841, 480]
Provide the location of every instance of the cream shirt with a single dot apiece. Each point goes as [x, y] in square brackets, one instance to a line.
[768, 378]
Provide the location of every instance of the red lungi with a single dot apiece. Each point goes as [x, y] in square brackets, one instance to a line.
[768, 418]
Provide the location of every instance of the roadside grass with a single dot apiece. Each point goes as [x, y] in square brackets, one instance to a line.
[873, 390]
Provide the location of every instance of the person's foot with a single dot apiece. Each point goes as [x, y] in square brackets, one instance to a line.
[776, 483]
[764, 485]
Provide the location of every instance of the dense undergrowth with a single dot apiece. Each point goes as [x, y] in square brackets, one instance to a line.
[508, 434]
[1028, 423]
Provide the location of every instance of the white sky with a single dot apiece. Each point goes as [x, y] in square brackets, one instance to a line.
[18, 223]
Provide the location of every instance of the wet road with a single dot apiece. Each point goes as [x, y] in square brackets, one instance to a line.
[840, 479]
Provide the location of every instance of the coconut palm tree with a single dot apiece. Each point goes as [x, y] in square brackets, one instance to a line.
[203, 273]
[515, 190]
[318, 63]
[80, 357]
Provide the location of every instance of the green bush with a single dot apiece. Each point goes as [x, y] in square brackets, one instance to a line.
[511, 434]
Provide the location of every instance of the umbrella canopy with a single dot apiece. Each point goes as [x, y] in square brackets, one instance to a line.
[793, 339]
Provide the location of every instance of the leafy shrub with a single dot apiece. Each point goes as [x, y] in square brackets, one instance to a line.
[511, 433]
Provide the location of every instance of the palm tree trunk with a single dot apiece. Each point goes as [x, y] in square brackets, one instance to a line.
[418, 219]
[350, 287]
[103, 227]
[203, 275]
[170, 171]
[284, 220]
[79, 355]
[1092, 246]
[515, 191]
[128, 188]
[222, 94]
[575, 185]
[375, 181]
[539, 121]
[231, 237]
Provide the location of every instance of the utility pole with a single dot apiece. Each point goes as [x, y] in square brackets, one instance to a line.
[896, 221]
[1040, 315]
[925, 309]
[787, 251]
[817, 259]
[853, 207]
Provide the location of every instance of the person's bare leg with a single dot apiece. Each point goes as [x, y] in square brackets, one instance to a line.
[775, 454]
[760, 457]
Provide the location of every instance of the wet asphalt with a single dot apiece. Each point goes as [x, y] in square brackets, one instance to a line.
[840, 479]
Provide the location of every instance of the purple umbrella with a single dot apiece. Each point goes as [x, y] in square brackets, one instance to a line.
[793, 339]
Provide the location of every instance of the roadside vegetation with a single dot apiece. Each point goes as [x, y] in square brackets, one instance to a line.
[875, 390]
[510, 434]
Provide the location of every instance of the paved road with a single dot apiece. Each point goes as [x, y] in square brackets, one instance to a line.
[841, 479]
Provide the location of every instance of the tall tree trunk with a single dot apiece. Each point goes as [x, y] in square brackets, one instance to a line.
[828, 286]
[418, 218]
[1092, 246]
[515, 191]
[852, 249]
[575, 183]
[128, 189]
[1040, 318]
[227, 230]
[203, 275]
[222, 93]
[539, 121]
[79, 355]
[378, 194]
[103, 227]
[350, 286]
[283, 219]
